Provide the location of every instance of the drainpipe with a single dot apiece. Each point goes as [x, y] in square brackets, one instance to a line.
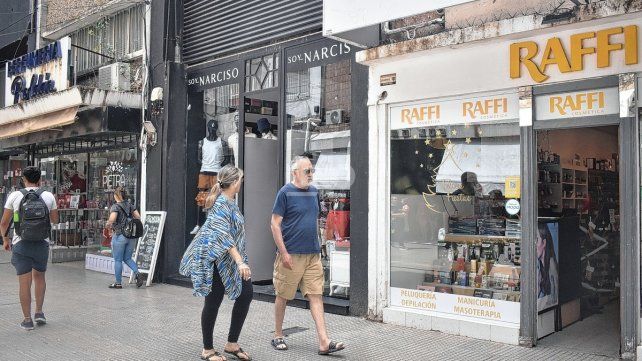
[38, 10]
[143, 154]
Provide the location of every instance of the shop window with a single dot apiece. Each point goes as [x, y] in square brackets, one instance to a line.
[83, 185]
[451, 231]
[220, 105]
[318, 125]
[262, 72]
[11, 175]
[298, 87]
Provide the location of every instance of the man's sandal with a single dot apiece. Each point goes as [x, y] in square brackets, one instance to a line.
[246, 356]
[279, 344]
[332, 348]
[211, 356]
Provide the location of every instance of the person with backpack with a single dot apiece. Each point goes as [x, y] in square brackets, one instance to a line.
[32, 210]
[124, 221]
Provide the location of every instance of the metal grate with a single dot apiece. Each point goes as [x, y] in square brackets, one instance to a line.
[98, 142]
[213, 29]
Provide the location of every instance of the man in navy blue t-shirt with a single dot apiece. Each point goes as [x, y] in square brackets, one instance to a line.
[298, 261]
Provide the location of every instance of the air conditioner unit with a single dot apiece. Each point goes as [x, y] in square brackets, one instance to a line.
[334, 116]
[115, 77]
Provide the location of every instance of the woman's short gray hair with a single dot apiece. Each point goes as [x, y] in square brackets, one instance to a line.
[294, 165]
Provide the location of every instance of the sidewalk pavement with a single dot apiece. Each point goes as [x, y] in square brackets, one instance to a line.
[88, 321]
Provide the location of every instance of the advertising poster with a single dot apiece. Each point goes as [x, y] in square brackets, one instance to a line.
[547, 265]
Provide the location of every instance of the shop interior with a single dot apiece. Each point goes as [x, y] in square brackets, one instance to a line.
[450, 228]
[578, 249]
[83, 184]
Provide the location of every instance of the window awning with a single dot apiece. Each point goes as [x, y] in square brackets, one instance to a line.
[330, 140]
[332, 171]
[59, 109]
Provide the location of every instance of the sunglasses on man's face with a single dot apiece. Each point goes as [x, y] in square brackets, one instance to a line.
[308, 171]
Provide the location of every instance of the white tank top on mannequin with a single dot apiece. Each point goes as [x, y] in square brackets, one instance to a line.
[212, 155]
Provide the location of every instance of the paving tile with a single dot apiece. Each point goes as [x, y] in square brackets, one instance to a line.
[88, 321]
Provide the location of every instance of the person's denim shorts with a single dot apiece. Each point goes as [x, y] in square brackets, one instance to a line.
[27, 256]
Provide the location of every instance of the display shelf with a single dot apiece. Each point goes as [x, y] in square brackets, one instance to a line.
[473, 238]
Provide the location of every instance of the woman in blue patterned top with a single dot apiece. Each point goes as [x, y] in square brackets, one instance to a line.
[216, 261]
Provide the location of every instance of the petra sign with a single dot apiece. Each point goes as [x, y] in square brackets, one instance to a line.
[602, 47]
[577, 104]
[455, 111]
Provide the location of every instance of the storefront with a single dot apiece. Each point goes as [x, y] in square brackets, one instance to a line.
[497, 173]
[84, 140]
[81, 165]
[306, 96]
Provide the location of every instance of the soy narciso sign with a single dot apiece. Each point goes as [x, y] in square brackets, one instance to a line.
[149, 244]
[40, 72]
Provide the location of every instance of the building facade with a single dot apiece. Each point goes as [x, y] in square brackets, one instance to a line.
[72, 105]
[273, 88]
[504, 170]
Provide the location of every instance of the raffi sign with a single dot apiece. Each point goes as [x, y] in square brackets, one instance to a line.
[592, 49]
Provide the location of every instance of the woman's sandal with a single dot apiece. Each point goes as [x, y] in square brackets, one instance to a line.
[116, 285]
[239, 352]
[210, 357]
[279, 344]
[332, 348]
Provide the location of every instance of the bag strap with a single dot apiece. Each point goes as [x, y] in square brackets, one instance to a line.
[39, 192]
[123, 208]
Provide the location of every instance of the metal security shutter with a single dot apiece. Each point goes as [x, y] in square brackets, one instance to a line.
[213, 29]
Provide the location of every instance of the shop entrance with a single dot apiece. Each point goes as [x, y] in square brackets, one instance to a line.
[578, 239]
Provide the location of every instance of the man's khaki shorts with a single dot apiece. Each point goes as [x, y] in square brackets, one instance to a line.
[306, 275]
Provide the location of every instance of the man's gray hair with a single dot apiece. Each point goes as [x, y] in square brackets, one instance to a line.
[294, 165]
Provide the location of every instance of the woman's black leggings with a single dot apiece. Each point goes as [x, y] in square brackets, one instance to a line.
[213, 302]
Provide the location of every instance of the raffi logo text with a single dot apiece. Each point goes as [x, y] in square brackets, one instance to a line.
[571, 59]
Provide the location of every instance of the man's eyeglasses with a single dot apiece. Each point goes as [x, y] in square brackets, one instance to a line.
[308, 171]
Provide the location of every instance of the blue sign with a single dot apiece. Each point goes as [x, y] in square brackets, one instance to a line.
[34, 59]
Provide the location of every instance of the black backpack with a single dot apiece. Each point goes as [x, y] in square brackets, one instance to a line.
[132, 227]
[33, 217]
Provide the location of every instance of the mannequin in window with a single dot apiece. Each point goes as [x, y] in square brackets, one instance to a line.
[264, 126]
[211, 156]
[233, 142]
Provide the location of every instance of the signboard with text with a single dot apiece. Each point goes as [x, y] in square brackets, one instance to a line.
[475, 307]
[455, 111]
[585, 103]
[37, 73]
[149, 244]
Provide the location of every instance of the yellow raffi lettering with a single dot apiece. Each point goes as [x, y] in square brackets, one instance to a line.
[415, 114]
[516, 61]
[405, 116]
[631, 45]
[605, 47]
[554, 54]
[577, 102]
[578, 50]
